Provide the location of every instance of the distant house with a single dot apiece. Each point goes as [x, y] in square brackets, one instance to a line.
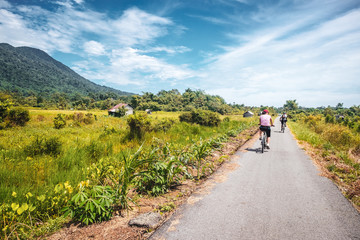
[114, 110]
[339, 117]
[148, 111]
[248, 114]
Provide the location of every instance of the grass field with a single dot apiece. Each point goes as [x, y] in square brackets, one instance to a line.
[40, 166]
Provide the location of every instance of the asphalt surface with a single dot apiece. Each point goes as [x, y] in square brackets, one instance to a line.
[275, 195]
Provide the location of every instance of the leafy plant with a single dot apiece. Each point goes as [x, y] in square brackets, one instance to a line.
[102, 170]
[91, 204]
[167, 207]
[130, 166]
[159, 177]
[201, 150]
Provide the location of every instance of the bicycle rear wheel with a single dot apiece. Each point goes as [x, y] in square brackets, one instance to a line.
[263, 142]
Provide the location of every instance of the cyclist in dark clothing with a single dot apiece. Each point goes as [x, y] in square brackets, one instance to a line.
[283, 119]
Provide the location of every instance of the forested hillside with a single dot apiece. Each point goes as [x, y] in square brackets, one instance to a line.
[30, 71]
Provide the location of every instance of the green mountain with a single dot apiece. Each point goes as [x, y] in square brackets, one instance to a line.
[31, 71]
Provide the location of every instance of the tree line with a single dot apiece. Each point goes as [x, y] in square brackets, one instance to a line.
[170, 101]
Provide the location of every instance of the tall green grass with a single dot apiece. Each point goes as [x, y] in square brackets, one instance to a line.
[39, 159]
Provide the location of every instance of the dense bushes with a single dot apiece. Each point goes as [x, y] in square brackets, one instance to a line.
[59, 121]
[201, 117]
[19, 116]
[139, 123]
[12, 117]
[40, 146]
[339, 136]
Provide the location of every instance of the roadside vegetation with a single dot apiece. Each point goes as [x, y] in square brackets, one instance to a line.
[85, 164]
[332, 137]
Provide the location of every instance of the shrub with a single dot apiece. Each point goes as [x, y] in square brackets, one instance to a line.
[163, 125]
[91, 204]
[89, 118]
[312, 121]
[201, 117]
[159, 177]
[339, 136]
[329, 119]
[139, 124]
[40, 146]
[186, 117]
[59, 121]
[52, 146]
[77, 117]
[19, 116]
[4, 108]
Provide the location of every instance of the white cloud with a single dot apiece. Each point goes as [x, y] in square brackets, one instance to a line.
[79, 1]
[4, 4]
[94, 48]
[319, 65]
[213, 20]
[129, 66]
[130, 61]
[138, 27]
[169, 50]
[13, 30]
[64, 29]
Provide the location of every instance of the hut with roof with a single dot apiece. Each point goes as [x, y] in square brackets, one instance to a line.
[248, 114]
[114, 111]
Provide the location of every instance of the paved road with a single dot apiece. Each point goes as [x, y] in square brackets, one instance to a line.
[275, 195]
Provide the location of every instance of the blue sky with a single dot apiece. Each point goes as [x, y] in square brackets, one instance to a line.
[249, 52]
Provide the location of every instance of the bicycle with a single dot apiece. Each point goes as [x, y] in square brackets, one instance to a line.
[263, 141]
[283, 126]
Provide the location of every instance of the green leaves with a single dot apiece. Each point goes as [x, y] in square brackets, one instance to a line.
[201, 150]
[159, 177]
[91, 204]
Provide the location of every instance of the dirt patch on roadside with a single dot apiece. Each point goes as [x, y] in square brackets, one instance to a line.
[118, 228]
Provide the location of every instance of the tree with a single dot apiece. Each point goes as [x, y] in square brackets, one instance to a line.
[291, 105]
[339, 106]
